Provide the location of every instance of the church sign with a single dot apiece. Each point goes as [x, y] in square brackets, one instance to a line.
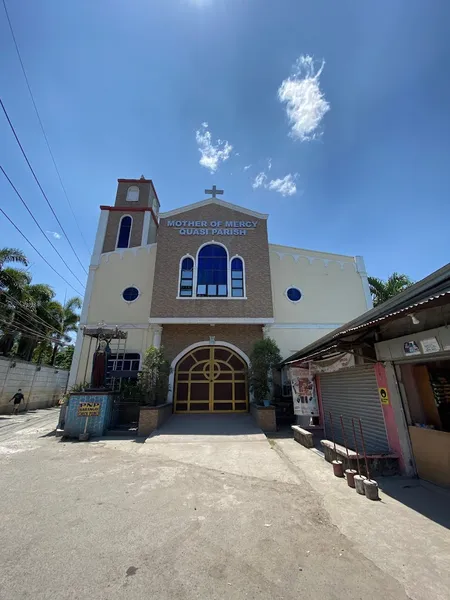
[213, 227]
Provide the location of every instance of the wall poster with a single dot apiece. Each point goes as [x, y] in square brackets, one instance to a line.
[304, 394]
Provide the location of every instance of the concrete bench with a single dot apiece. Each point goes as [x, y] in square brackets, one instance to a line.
[303, 437]
[379, 464]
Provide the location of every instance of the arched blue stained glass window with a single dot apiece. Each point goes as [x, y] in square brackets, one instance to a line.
[187, 276]
[237, 278]
[212, 271]
[123, 240]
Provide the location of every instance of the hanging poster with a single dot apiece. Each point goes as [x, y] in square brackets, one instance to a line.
[304, 393]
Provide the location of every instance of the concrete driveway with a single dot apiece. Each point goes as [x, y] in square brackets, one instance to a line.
[204, 509]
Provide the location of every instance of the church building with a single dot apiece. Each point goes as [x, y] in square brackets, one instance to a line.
[204, 282]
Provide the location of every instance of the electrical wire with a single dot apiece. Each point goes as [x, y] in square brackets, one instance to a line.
[28, 332]
[41, 124]
[37, 251]
[37, 223]
[40, 186]
[24, 310]
[34, 315]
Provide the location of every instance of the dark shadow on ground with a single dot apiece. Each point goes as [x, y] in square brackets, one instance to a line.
[51, 433]
[210, 424]
[431, 501]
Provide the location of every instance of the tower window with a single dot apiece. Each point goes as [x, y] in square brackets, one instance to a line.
[133, 194]
[123, 237]
[186, 276]
[212, 272]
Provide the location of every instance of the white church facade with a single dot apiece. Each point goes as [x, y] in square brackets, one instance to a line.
[204, 282]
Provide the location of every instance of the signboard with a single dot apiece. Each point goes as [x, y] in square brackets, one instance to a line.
[89, 409]
[410, 348]
[384, 396]
[212, 227]
[430, 345]
[304, 393]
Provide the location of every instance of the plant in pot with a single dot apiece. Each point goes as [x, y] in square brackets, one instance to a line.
[264, 357]
[153, 380]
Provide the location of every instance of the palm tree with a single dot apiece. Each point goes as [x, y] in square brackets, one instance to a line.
[68, 323]
[383, 290]
[38, 299]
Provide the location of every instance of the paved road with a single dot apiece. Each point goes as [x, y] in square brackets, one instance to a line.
[215, 512]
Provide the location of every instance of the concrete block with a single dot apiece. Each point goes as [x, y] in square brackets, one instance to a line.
[303, 437]
[152, 417]
[359, 484]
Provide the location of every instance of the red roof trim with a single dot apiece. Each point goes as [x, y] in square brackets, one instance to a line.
[127, 209]
[134, 180]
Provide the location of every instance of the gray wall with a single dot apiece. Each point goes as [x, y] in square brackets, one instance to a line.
[41, 386]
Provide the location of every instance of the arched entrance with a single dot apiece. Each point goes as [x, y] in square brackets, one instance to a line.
[211, 379]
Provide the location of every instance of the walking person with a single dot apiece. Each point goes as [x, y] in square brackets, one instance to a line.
[18, 397]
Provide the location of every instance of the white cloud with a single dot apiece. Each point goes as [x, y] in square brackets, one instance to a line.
[247, 167]
[285, 186]
[269, 163]
[211, 154]
[54, 234]
[305, 103]
[260, 180]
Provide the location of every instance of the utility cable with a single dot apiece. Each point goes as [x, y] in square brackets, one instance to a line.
[28, 332]
[37, 223]
[37, 251]
[40, 186]
[29, 313]
[41, 124]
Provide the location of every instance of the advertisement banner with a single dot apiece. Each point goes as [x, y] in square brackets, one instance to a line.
[304, 393]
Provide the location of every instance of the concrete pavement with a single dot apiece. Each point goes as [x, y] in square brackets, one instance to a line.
[220, 512]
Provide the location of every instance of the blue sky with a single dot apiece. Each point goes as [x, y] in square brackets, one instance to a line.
[361, 165]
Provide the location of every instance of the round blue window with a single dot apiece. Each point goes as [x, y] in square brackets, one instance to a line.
[130, 294]
[294, 294]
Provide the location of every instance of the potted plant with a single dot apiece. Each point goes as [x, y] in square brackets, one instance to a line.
[264, 357]
[153, 380]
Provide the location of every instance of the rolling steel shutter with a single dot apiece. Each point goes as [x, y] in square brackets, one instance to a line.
[354, 393]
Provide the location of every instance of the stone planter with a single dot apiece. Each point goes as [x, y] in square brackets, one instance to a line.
[152, 417]
[264, 417]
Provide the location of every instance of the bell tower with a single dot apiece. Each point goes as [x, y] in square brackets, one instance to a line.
[133, 220]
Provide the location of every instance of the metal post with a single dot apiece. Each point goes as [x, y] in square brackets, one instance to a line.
[356, 446]
[364, 449]
[88, 358]
[338, 469]
[348, 471]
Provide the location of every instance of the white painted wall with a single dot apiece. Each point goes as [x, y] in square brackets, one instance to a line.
[41, 387]
[117, 271]
[333, 293]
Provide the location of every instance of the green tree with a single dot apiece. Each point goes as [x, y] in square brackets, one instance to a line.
[153, 381]
[264, 357]
[68, 324]
[383, 290]
[65, 357]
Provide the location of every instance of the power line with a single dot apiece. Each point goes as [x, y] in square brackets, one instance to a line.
[37, 251]
[40, 186]
[37, 223]
[28, 331]
[41, 124]
[24, 309]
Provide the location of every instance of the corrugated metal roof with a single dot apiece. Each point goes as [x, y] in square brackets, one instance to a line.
[407, 310]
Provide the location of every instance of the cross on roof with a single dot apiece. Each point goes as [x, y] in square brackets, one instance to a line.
[214, 192]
